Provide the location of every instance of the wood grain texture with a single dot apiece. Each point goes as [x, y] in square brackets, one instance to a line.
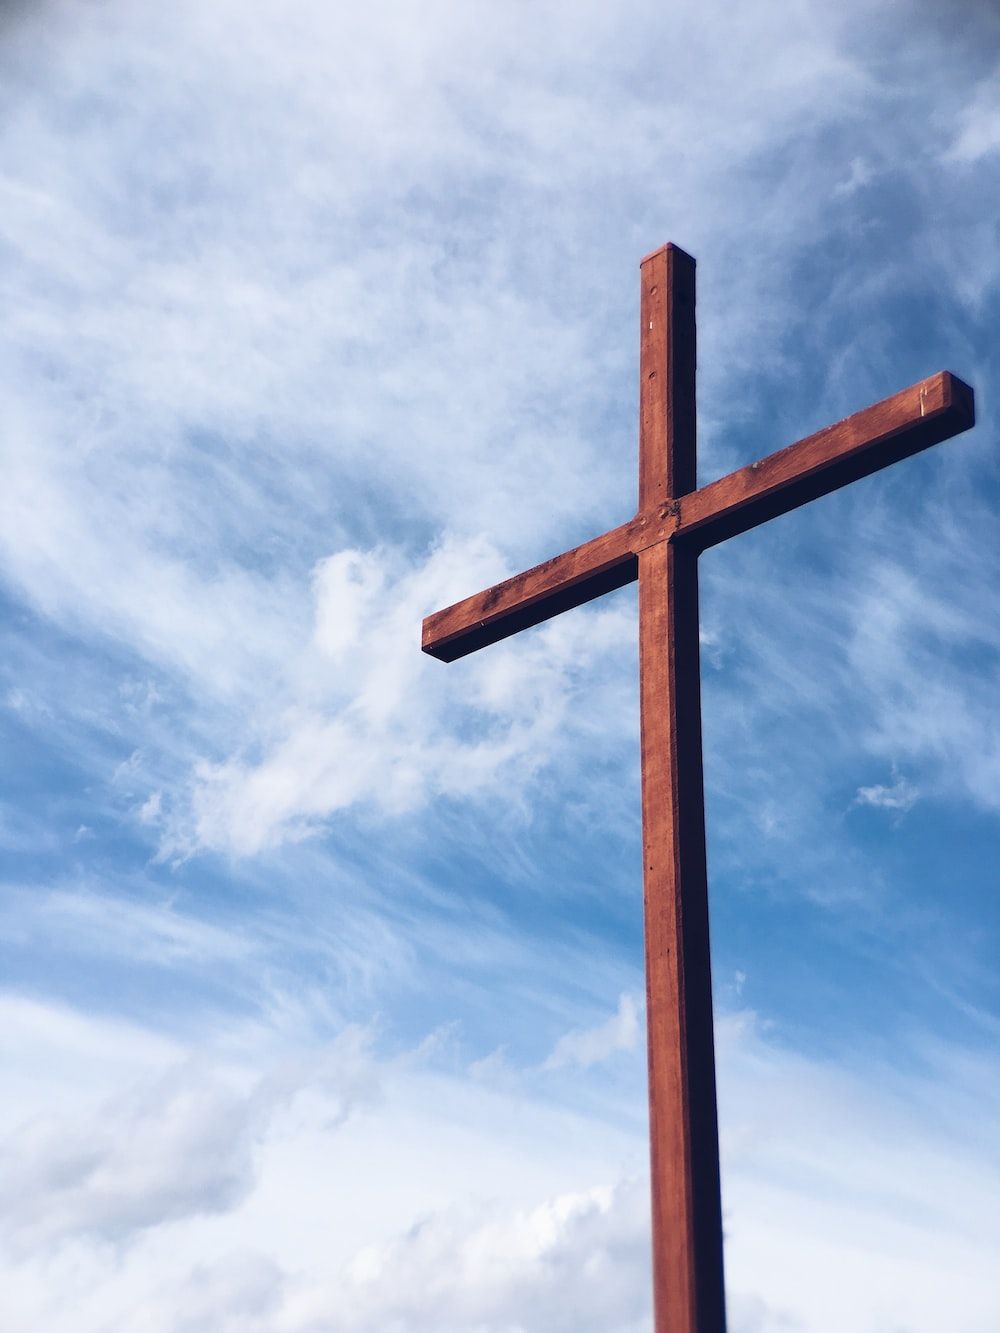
[688, 1291]
[667, 356]
[911, 420]
[556, 585]
[566, 581]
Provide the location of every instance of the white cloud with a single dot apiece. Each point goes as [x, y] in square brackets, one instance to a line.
[577, 1261]
[859, 175]
[590, 1046]
[367, 1221]
[914, 629]
[149, 811]
[900, 796]
[179, 1147]
[369, 719]
[240, 1293]
[230, 409]
[101, 926]
[168, 1148]
[979, 135]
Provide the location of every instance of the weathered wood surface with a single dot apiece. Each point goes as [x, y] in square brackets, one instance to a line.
[917, 417]
[568, 580]
[667, 356]
[660, 547]
[688, 1289]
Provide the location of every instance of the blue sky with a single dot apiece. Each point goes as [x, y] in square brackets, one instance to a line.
[321, 1000]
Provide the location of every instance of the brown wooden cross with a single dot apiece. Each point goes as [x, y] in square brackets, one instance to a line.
[660, 547]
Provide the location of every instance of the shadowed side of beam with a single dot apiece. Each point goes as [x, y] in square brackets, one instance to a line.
[909, 421]
[568, 580]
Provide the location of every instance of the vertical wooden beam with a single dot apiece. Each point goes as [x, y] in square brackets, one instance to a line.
[667, 351]
[688, 1295]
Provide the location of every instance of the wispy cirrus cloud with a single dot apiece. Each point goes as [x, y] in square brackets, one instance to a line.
[590, 1046]
[900, 796]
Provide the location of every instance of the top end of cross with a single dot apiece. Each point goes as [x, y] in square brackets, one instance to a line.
[664, 249]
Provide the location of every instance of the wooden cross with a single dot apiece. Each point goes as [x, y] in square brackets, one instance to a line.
[660, 547]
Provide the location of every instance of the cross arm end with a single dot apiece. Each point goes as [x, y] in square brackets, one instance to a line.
[568, 580]
[926, 413]
[947, 393]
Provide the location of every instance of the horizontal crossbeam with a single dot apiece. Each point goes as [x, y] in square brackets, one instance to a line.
[914, 419]
[909, 421]
[568, 580]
